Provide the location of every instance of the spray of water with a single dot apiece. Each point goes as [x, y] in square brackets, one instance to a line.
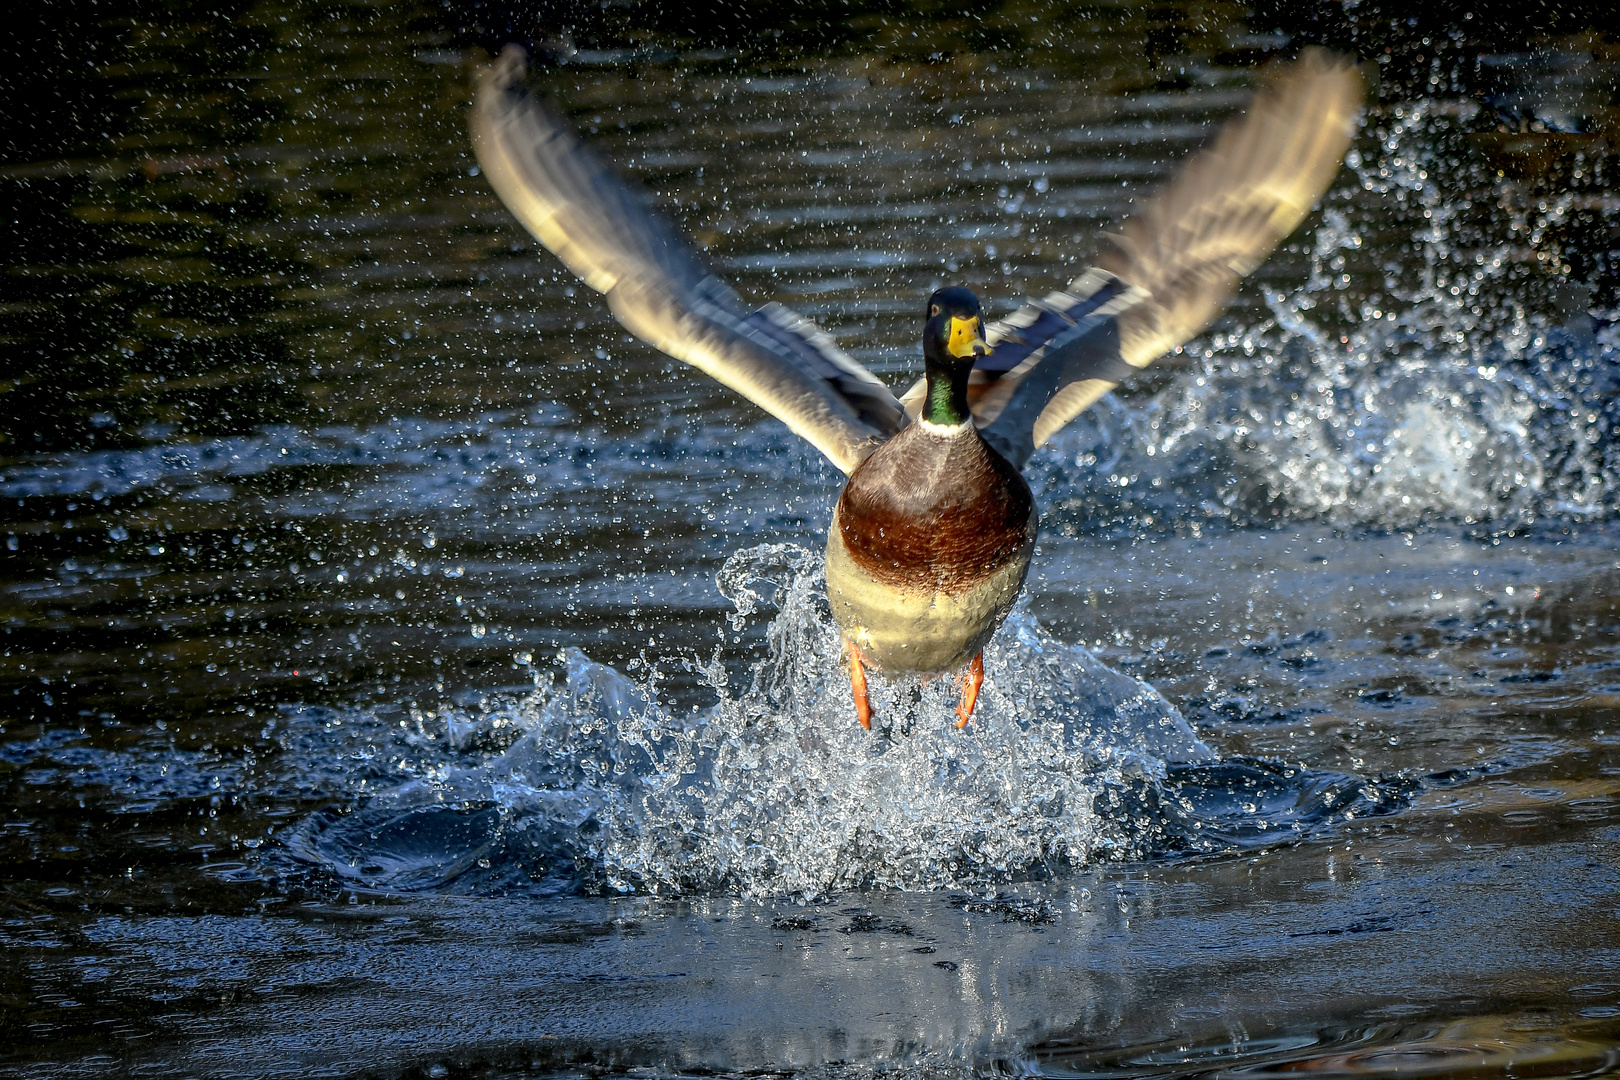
[1376, 393]
[777, 791]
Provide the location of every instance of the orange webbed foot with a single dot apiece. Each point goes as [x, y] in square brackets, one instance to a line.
[857, 686]
[970, 682]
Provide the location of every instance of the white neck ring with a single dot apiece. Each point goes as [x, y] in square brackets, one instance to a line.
[945, 431]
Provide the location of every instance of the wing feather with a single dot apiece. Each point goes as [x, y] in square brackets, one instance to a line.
[1174, 264]
[655, 283]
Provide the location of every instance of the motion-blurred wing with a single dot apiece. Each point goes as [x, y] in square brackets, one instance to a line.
[657, 286]
[1175, 263]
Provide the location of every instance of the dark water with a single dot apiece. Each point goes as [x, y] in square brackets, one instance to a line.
[373, 706]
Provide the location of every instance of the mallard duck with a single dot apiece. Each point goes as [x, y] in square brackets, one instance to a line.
[931, 539]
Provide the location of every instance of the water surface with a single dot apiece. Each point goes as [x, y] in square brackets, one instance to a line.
[408, 672]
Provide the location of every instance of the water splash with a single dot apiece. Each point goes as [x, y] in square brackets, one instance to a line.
[1378, 393]
[776, 791]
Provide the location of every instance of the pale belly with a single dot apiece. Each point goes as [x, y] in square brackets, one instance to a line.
[900, 631]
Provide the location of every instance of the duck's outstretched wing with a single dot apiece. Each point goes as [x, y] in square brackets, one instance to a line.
[658, 287]
[1175, 263]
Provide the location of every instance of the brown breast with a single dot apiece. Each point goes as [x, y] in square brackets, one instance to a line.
[934, 513]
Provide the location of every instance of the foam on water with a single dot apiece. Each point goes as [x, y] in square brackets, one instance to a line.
[776, 790]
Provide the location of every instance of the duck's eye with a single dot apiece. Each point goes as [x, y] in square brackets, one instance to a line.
[934, 310]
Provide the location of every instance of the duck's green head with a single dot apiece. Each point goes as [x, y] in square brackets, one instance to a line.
[953, 338]
[954, 333]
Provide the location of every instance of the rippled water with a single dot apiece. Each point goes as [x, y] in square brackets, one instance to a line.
[410, 673]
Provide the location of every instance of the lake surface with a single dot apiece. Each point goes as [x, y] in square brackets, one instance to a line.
[407, 673]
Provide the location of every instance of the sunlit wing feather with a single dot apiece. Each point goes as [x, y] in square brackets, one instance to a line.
[1174, 264]
[657, 286]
